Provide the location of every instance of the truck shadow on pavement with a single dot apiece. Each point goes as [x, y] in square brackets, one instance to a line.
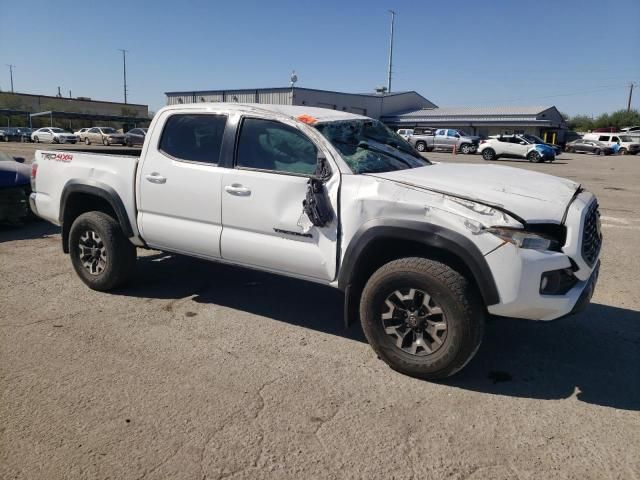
[594, 356]
[27, 231]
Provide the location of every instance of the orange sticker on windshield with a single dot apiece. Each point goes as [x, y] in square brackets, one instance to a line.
[308, 119]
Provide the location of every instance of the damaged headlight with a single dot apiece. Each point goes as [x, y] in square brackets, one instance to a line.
[523, 239]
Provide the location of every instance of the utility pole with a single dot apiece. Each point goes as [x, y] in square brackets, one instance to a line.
[124, 70]
[11, 67]
[393, 18]
[628, 101]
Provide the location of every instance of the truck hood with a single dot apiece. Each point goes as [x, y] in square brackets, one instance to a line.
[533, 197]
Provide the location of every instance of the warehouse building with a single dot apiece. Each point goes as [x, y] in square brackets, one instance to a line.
[372, 105]
[16, 108]
[543, 121]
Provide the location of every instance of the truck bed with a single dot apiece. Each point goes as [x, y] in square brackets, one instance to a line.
[62, 169]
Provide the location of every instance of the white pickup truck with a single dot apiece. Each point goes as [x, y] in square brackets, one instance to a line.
[422, 250]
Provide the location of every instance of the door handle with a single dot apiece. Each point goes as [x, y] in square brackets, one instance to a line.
[237, 189]
[156, 178]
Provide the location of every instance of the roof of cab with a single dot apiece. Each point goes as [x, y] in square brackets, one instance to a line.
[291, 111]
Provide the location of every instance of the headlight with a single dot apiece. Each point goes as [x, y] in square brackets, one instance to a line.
[523, 239]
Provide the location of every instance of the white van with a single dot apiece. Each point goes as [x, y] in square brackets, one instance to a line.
[628, 145]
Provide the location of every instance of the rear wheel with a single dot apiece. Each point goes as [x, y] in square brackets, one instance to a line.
[421, 317]
[421, 146]
[100, 253]
[489, 154]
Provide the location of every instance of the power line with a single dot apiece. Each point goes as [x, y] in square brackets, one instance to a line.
[567, 94]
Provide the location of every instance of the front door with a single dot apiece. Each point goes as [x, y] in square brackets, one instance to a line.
[179, 185]
[262, 215]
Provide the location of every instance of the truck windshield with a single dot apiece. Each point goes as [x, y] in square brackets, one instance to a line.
[368, 146]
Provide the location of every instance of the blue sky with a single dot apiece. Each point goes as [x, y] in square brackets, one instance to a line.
[578, 55]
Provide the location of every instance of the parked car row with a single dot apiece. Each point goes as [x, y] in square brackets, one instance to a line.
[110, 136]
[97, 135]
[605, 144]
[15, 134]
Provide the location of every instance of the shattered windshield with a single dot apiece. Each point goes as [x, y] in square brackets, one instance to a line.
[368, 146]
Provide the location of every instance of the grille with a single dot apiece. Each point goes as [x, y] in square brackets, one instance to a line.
[591, 236]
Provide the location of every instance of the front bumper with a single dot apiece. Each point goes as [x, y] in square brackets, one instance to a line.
[518, 273]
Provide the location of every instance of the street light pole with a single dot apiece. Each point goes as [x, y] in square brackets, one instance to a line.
[11, 67]
[393, 17]
[124, 70]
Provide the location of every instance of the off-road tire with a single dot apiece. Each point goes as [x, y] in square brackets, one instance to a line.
[489, 154]
[457, 298]
[120, 252]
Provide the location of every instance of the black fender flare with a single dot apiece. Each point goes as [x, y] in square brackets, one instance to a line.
[424, 233]
[97, 189]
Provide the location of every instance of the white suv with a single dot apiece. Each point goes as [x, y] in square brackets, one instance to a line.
[627, 143]
[516, 146]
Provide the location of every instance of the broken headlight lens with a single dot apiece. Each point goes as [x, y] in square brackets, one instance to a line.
[523, 239]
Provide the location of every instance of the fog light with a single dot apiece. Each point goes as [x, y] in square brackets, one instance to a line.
[557, 282]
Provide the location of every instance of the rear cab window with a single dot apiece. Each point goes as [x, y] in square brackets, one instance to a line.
[193, 137]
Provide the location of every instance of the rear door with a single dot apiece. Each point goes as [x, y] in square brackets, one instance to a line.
[179, 184]
[262, 215]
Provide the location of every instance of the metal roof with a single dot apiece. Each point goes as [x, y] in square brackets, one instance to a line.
[293, 111]
[506, 111]
[288, 89]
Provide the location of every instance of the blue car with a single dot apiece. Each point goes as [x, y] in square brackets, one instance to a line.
[15, 188]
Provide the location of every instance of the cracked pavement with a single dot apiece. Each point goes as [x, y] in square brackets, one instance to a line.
[197, 370]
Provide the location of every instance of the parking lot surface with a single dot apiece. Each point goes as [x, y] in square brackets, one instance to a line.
[197, 370]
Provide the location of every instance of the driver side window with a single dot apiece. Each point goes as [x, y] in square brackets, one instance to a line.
[272, 145]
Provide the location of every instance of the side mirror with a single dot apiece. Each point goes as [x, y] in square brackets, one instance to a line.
[19, 159]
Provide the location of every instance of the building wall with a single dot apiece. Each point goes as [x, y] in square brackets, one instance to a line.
[369, 105]
[278, 97]
[41, 103]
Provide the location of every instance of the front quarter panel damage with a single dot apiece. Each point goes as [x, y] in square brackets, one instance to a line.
[365, 198]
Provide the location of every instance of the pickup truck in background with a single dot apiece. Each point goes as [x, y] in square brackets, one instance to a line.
[444, 139]
[423, 251]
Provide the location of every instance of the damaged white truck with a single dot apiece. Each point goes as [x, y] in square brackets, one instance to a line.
[423, 251]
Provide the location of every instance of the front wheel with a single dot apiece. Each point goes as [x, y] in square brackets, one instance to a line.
[36, 139]
[105, 141]
[465, 148]
[421, 317]
[534, 157]
[87, 141]
[100, 253]
[623, 151]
